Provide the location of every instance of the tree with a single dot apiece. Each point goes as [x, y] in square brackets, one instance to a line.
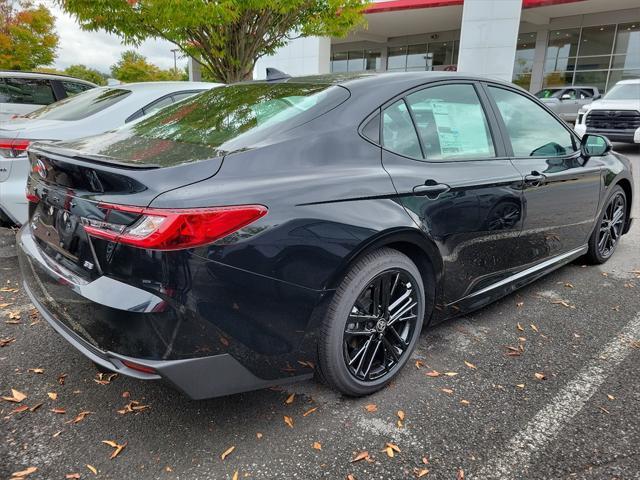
[86, 73]
[27, 36]
[133, 67]
[225, 36]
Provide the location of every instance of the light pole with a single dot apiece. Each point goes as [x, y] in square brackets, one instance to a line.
[175, 64]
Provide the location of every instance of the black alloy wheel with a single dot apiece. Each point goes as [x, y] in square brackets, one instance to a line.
[380, 326]
[372, 324]
[609, 227]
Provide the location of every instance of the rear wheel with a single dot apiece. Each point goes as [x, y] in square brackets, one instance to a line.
[372, 324]
[608, 231]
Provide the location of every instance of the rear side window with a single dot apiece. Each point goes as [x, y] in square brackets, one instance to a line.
[398, 133]
[30, 91]
[74, 88]
[82, 105]
[451, 123]
[532, 130]
[237, 115]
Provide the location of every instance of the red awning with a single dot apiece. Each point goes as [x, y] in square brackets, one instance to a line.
[395, 5]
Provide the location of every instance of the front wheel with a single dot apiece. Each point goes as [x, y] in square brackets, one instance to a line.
[609, 227]
[373, 323]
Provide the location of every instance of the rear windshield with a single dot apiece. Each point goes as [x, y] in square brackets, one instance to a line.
[30, 91]
[82, 105]
[233, 117]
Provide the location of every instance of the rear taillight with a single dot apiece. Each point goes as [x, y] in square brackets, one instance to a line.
[12, 148]
[172, 229]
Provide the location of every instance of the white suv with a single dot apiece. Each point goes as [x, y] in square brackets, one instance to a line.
[616, 115]
[24, 92]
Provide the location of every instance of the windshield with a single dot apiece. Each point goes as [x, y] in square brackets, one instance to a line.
[548, 92]
[624, 91]
[82, 105]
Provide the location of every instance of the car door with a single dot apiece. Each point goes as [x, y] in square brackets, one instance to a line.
[568, 107]
[452, 177]
[561, 189]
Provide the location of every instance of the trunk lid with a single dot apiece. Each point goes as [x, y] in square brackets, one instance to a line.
[68, 187]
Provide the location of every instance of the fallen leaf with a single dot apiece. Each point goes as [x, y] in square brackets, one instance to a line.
[448, 391]
[16, 396]
[93, 469]
[519, 304]
[470, 365]
[514, 352]
[258, 435]
[310, 411]
[534, 328]
[563, 303]
[235, 475]
[371, 408]
[227, 452]
[568, 285]
[6, 341]
[118, 448]
[36, 370]
[289, 421]
[81, 416]
[539, 376]
[52, 395]
[72, 475]
[57, 434]
[400, 414]
[425, 460]
[61, 378]
[419, 363]
[290, 399]
[104, 378]
[59, 411]
[35, 407]
[464, 402]
[520, 385]
[360, 456]
[420, 472]
[133, 407]
[389, 452]
[351, 477]
[20, 409]
[24, 473]
[519, 327]
[451, 374]
[460, 474]
[611, 397]
[317, 445]
[433, 373]
[604, 410]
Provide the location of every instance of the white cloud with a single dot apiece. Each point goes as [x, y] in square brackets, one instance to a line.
[100, 50]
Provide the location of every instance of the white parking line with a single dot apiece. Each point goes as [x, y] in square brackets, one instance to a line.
[515, 457]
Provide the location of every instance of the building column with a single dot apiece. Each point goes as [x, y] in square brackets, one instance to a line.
[301, 56]
[488, 37]
[537, 72]
[195, 70]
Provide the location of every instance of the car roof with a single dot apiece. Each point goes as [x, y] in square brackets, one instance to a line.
[162, 86]
[629, 81]
[55, 76]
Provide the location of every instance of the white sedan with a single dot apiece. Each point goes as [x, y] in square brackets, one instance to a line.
[89, 113]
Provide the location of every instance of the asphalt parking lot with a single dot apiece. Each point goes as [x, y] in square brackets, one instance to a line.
[541, 385]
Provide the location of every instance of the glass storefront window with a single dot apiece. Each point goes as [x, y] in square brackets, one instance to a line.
[557, 79]
[356, 61]
[617, 75]
[397, 58]
[628, 39]
[593, 63]
[597, 40]
[417, 57]
[523, 65]
[563, 43]
[373, 60]
[592, 79]
[440, 54]
[339, 62]
[626, 62]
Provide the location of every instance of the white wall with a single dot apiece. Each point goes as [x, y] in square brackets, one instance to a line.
[302, 56]
[488, 37]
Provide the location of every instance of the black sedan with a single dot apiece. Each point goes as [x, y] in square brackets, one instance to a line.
[264, 232]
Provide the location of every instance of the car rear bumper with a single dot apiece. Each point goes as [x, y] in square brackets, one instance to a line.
[86, 313]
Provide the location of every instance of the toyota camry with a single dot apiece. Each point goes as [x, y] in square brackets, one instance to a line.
[266, 232]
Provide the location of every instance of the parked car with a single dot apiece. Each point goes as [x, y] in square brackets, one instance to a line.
[265, 231]
[89, 113]
[616, 116]
[24, 92]
[566, 101]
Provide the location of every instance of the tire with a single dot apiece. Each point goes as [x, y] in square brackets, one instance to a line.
[391, 271]
[597, 255]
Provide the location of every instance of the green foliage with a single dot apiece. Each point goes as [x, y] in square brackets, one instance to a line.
[27, 36]
[133, 67]
[85, 73]
[226, 36]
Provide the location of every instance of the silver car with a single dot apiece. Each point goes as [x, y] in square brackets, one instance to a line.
[566, 101]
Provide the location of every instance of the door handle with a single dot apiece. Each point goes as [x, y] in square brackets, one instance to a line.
[431, 189]
[535, 179]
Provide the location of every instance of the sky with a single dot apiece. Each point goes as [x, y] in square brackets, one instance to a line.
[100, 50]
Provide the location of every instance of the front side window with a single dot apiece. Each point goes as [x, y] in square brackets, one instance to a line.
[30, 91]
[533, 131]
[82, 105]
[398, 133]
[451, 123]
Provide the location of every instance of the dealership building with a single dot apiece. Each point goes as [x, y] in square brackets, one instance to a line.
[534, 43]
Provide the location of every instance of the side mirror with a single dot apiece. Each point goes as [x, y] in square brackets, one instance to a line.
[566, 96]
[594, 146]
